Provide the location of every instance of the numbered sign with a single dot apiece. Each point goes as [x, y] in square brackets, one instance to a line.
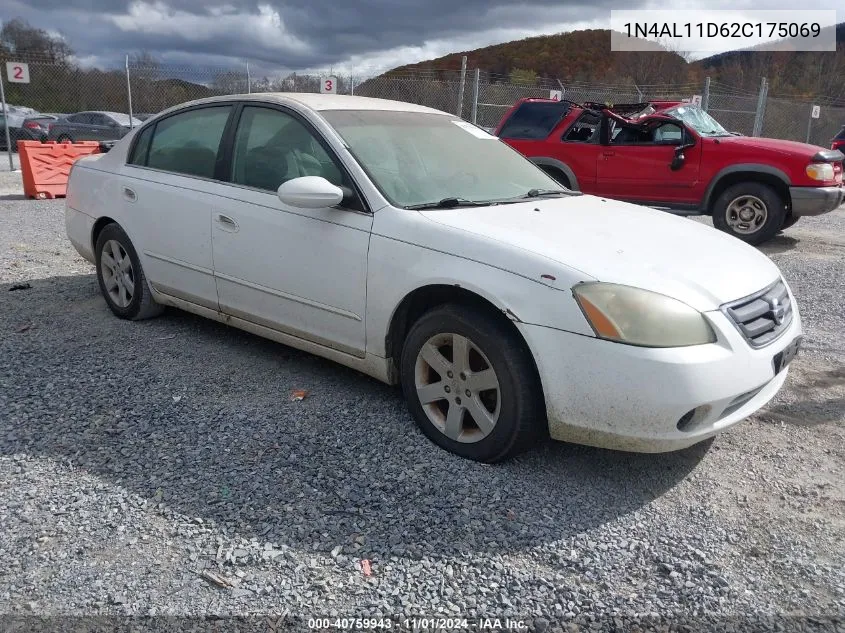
[817, 110]
[696, 100]
[555, 95]
[328, 85]
[17, 72]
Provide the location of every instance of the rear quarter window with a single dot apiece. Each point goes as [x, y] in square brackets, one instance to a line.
[534, 120]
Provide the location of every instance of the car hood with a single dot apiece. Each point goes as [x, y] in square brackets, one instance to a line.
[793, 148]
[623, 243]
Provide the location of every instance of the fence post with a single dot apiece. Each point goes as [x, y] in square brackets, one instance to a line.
[129, 92]
[460, 111]
[761, 108]
[562, 89]
[6, 123]
[248, 79]
[352, 85]
[705, 95]
[476, 81]
[639, 93]
[809, 124]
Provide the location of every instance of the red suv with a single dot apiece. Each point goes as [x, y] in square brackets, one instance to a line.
[673, 155]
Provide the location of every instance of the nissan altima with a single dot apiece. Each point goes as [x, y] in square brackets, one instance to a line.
[419, 249]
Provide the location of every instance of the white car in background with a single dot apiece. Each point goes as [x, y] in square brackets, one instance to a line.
[417, 248]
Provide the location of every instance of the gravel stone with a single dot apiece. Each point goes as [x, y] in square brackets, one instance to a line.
[115, 498]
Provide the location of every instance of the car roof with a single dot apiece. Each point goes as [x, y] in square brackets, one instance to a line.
[319, 102]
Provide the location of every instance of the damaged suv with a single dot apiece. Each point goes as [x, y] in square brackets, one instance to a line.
[673, 155]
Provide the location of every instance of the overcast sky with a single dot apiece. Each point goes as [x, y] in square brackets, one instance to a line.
[360, 36]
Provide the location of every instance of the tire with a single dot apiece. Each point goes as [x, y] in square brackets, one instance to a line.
[127, 294]
[790, 220]
[750, 211]
[515, 404]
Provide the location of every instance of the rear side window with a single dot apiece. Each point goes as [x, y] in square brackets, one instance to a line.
[585, 129]
[188, 143]
[841, 135]
[534, 120]
[142, 147]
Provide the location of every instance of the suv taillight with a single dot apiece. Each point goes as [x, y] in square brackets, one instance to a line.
[32, 125]
[838, 144]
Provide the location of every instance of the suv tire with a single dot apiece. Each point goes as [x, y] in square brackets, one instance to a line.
[751, 211]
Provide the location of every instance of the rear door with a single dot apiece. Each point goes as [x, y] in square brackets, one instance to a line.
[636, 165]
[101, 127]
[170, 189]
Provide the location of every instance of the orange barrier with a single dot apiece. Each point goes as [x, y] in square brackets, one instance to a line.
[45, 167]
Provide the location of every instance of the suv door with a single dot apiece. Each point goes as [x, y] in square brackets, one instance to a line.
[635, 165]
[169, 190]
[580, 149]
[299, 271]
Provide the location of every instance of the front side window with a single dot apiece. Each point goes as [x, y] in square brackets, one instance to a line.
[272, 147]
[663, 134]
[417, 159]
[188, 143]
[534, 120]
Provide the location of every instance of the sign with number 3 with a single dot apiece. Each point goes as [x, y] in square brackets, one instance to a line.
[17, 72]
[328, 85]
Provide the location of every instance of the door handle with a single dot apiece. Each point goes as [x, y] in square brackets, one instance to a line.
[226, 223]
[608, 153]
[129, 194]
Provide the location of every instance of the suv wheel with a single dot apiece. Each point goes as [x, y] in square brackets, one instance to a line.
[121, 278]
[471, 385]
[751, 211]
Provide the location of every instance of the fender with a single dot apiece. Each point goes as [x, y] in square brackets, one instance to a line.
[553, 162]
[741, 167]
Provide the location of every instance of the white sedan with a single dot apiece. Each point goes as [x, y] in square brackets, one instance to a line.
[419, 249]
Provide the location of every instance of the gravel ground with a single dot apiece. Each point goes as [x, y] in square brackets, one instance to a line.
[160, 468]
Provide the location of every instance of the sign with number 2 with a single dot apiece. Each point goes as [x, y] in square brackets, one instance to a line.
[328, 85]
[17, 72]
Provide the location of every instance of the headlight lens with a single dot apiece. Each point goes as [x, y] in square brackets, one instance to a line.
[820, 171]
[640, 317]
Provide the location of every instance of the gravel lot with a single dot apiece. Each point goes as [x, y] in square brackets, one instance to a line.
[160, 468]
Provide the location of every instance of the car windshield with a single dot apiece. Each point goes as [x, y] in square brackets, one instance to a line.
[698, 120]
[418, 159]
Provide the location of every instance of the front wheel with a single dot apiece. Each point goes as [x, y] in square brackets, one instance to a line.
[121, 278]
[471, 385]
[750, 211]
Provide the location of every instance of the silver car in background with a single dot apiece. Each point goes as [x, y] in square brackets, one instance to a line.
[92, 126]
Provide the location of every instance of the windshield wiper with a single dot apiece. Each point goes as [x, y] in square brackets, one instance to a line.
[539, 193]
[447, 203]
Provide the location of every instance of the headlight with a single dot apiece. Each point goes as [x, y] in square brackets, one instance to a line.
[640, 317]
[820, 171]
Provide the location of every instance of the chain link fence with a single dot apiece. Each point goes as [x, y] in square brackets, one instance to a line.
[145, 88]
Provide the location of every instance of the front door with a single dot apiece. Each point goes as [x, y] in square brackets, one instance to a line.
[300, 271]
[636, 165]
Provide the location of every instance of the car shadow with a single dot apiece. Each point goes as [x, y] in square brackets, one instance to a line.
[198, 417]
[779, 244]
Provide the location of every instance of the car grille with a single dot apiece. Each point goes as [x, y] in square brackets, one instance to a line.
[763, 316]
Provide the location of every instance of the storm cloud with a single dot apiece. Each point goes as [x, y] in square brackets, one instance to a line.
[362, 36]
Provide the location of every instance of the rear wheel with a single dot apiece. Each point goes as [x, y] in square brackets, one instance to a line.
[121, 278]
[471, 385]
[750, 211]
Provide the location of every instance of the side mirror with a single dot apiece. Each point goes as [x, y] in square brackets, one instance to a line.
[678, 159]
[310, 192]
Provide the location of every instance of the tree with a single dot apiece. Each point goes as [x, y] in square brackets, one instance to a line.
[26, 42]
[525, 77]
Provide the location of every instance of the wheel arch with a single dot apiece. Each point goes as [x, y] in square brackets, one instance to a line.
[98, 227]
[418, 301]
[746, 172]
[544, 162]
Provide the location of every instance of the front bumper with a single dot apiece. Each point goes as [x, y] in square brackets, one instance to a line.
[816, 200]
[631, 398]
